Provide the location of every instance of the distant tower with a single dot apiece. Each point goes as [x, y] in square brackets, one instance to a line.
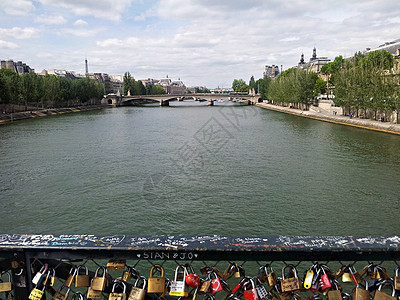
[314, 54]
[86, 67]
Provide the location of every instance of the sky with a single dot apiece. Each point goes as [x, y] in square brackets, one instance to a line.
[204, 43]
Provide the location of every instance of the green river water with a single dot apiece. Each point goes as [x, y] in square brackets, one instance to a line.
[234, 170]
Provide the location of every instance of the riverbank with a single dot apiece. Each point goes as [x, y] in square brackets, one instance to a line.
[337, 119]
[9, 118]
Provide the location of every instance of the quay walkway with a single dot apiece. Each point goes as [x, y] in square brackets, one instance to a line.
[338, 119]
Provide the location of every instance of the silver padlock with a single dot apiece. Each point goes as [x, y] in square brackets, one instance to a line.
[179, 288]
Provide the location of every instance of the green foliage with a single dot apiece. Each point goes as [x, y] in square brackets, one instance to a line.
[252, 83]
[155, 90]
[263, 86]
[366, 82]
[293, 86]
[202, 91]
[239, 85]
[49, 90]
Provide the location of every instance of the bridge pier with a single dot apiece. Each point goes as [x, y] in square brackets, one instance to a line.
[164, 103]
[210, 102]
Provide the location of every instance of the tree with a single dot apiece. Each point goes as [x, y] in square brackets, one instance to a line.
[128, 83]
[252, 83]
[239, 85]
[320, 86]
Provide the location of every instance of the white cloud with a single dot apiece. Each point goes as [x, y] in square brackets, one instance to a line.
[19, 33]
[80, 23]
[50, 20]
[17, 7]
[105, 9]
[82, 32]
[8, 45]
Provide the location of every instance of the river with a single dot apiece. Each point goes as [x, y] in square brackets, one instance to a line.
[236, 170]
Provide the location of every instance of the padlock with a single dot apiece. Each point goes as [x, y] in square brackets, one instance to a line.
[216, 285]
[156, 284]
[239, 284]
[292, 283]
[131, 272]
[40, 275]
[6, 286]
[59, 295]
[71, 277]
[379, 295]
[382, 272]
[99, 283]
[250, 292]
[345, 273]
[192, 279]
[93, 294]
[261, 290]
[334, 293]
[396, 279]
[324, 279]
[204, 287]
[355, 276]
[118, 296]
[271, 275]
[116, 264]
[236, 272]
[360, 293]
[179, 288]
[138, 293]
[52, 277]
[37, 293]
[82, 280]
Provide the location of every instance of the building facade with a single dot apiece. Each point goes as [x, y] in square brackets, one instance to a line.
[271, 71]
[18, 67]
[314, 64]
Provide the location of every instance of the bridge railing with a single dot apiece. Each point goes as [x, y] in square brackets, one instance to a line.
[232, 263]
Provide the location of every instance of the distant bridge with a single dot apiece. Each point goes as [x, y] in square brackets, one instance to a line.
[116, 100]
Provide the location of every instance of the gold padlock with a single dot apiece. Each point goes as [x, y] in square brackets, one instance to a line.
[360, 293]
[138, 293]
[60, 295]
[99, 283]
[6, 286]
[71, 277]
[271, 275]
[156, 284]
[116, 265]
[290, 284]
[204, 287]
[93, 294]
[379, 295]
[82, 280]
[396, 279]
[118, 296]
[36, 293]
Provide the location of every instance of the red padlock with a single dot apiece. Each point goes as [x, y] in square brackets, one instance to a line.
[192, 280]
[325, 282]
[251, 293]
[216, 285]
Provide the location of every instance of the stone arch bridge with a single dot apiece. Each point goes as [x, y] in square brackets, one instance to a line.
[116, 100]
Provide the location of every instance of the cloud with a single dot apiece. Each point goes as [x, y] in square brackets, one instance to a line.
[80, 31]
[17, 7]
[20, 33]
[8, 45]
[80, 23]
[104, 9]
[50, 20]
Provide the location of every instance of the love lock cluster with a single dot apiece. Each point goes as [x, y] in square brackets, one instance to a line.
[317, 282]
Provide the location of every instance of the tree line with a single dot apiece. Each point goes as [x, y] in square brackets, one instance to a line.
[47, 91]
[363, 84]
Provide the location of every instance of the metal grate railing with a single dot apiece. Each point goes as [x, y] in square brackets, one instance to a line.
[223, 267]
